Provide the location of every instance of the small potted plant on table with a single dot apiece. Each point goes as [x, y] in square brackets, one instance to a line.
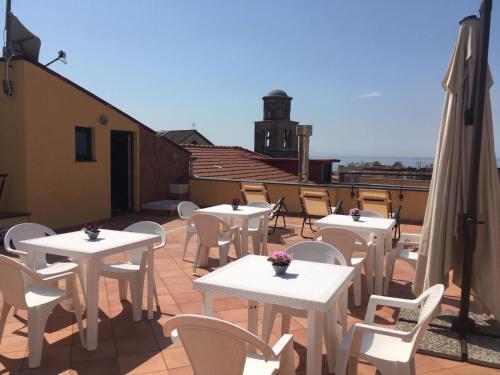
[235, 203]
[280, 261]
[92, 230]
[355, 214]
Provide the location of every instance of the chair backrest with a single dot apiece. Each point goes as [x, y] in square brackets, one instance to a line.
[186, 209]
[214, 346]
[254, 192]
[320, 252]
[208, 227]
[344, 240]
[12, 283]
[255, 221]
[430, 300]
[147, 227]
[368, 213]
[25, 231]
[375, 200]
[315, 202]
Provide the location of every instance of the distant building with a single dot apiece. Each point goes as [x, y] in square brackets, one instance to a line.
[276, 134]
[187, 137]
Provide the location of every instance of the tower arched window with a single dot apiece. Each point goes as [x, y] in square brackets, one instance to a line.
[267, 138]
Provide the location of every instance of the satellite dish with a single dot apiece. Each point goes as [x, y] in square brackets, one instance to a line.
[22, 41]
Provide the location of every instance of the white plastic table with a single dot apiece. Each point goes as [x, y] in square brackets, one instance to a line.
[244, 213]
[315, 287]
[382, 228]
[76, 245]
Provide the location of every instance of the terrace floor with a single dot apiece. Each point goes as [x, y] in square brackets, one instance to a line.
[140, 347]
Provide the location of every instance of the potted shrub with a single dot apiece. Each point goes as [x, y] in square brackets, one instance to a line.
[355, 214]
[280, 261]
[92, 230]
[235, 203]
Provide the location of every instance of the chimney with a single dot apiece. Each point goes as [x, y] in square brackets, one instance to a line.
[304, 132]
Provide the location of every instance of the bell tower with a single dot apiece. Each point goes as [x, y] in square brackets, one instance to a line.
[276, 134]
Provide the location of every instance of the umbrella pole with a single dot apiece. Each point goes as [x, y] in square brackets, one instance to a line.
[463, 324]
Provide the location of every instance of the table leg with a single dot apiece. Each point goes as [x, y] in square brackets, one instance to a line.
[151, 282]
[244, 237]
[253, 321]
[265, 230]
[379, 263]
[314, 340]
[92, 303]
[207, 304]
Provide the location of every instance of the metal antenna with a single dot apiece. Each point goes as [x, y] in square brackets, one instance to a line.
[8, 13]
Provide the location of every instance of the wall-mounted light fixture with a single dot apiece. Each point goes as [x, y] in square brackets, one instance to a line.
[103, 119]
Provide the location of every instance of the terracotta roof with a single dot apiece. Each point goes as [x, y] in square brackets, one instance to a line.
[234, 163]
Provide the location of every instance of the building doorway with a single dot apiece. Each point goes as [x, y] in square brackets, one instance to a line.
[121, 172]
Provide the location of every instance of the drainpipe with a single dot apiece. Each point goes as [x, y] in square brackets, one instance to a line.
[304, 132]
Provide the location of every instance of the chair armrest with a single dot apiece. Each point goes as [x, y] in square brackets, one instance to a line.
[14, 251]
[57, 276]
[281, 345]
[375, 301]
[360, 328]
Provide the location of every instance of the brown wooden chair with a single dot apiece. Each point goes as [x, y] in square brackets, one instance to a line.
[315, 204]
[254, 192]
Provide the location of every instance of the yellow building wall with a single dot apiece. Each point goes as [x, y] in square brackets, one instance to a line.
[12, 143]
[60, 191]
[209, 192]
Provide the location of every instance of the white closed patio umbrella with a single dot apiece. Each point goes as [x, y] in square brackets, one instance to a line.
[441, 250]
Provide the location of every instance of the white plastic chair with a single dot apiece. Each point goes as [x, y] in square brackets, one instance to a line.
[311, 251]
[214, 232]
[391, 351]
[133, 270]
[403, 250]
[347, 241]
[28, 231]
[256, 226]
[25, 289]
[214, 346]
[368, 213]
[186, 209]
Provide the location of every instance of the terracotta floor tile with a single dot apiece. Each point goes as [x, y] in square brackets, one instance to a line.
[181, 371]
[175, 357]
[136, 344]
[51, 370]
[186, 297]
[105, 349]
[191, 307]
[141, 363]
[52, 356]
[12, 361]
[15, 343]
[233, 316]
[96, 367]
[126, 327]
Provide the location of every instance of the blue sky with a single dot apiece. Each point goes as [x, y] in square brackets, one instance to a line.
[367, 74]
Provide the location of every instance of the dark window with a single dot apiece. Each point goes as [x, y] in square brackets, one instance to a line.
[83, 144]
